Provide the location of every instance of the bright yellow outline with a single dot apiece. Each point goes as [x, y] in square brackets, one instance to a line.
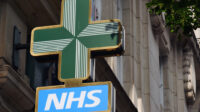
[78, 85]
[89, 50]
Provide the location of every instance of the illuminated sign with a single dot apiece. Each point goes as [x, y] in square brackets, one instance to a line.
[89, 97]
[75, 38]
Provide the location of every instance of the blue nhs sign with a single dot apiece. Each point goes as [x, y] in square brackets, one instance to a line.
[75, 99]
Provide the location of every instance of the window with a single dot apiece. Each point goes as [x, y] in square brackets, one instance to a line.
[119, 70]
[119, 58]
[16, 41]
[119, 10]
[96, 10]
[161, 63]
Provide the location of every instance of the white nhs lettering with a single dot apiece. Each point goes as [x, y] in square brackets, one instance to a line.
[59, 105]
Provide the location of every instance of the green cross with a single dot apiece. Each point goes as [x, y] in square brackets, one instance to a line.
[75, 38]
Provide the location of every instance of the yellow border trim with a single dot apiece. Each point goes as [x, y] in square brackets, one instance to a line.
[89, 50]
[77, 85]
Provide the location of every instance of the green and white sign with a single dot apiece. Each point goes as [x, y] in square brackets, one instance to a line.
[75, 38]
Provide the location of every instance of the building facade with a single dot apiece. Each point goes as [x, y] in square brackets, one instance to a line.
[158, 72]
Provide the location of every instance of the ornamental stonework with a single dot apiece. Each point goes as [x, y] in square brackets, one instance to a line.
[189, 75]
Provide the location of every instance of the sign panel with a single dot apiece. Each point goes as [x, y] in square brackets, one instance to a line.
[74, 39]
[89, 97]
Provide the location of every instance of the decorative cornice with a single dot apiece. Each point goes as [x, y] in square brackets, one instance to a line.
[189, 75]
[161, 34]
[13, 88]
[157, 25]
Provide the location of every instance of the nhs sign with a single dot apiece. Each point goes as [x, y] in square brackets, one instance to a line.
[87, 98]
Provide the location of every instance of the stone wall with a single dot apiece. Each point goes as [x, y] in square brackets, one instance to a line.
[7, 31]
[152, 62]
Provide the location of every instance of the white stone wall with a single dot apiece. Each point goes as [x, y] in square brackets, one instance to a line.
[141, 78]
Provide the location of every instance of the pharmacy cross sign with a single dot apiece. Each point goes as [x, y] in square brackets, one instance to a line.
[75, 38]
